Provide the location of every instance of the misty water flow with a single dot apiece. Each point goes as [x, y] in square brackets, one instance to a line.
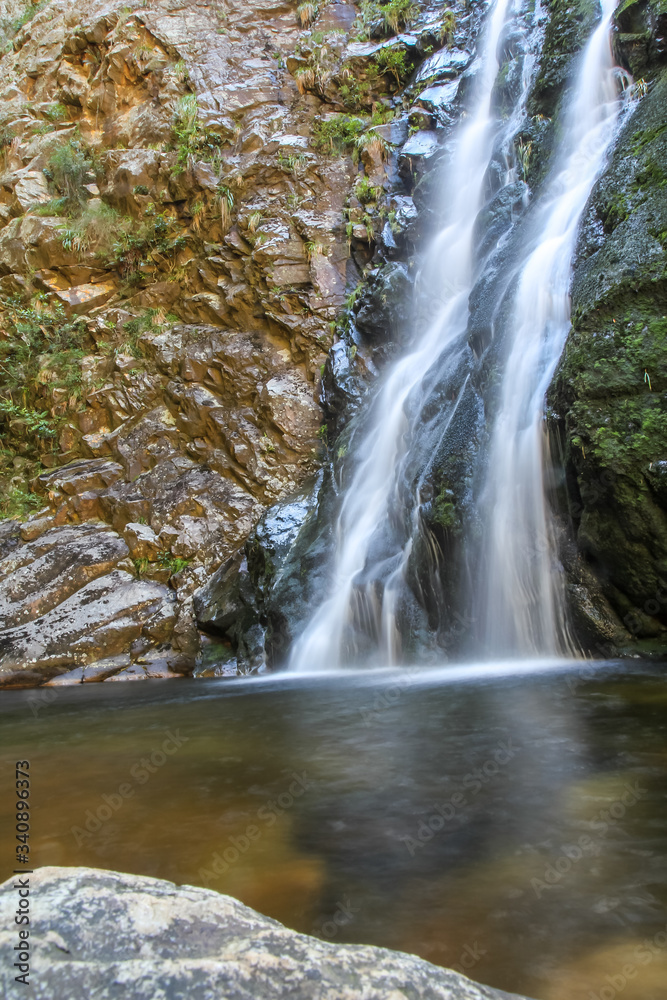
[515, 572]
[523, 601]
[451, 265]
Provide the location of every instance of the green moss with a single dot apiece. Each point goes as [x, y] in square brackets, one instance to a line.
[646, 136]
[444, 510]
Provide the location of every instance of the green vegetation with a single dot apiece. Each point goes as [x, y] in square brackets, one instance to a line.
[135, 245]
[189, 137]
[69, 168]
[308, 11]
[151, 319]
[9, 29]
[19, 503]
[43, 349]
[394, 61]
[55, 113]
[294, 163]
[365, 191]
[444, 509]
[173, 563]
[386, 18]
[338, 133]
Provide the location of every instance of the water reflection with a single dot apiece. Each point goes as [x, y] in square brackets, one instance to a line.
[511, 825]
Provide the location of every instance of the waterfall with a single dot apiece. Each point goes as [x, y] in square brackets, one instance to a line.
[521, 609]
[367, 500]
[522, 594]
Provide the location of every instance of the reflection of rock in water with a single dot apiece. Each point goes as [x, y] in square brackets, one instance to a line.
[474, 815]
[409, 797]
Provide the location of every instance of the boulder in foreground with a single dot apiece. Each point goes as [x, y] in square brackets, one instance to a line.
[102, 935]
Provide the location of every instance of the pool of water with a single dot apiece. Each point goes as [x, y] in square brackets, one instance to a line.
[510, 823]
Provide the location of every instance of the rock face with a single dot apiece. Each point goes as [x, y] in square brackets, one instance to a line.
[187, 196]
[101, 934]
[609, 397]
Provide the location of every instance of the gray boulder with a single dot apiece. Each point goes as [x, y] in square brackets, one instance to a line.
[99, 934]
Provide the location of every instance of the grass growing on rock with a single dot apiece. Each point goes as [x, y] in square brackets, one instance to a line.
[42, 352]
[69, 168]
[377, 19]
[190, 138]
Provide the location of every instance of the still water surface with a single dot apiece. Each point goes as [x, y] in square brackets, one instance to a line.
[509, 823]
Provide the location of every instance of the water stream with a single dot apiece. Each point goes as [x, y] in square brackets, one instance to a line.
[523, 612]
[515, 597]
[329, 637]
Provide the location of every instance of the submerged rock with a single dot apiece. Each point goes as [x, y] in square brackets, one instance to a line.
[95, 932]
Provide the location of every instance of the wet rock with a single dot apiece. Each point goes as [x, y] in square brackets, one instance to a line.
[142, 541]
[439, 100]
[41, 574]
[226, 948]
[443, 65]
[260, 597]
[609, 392]
[415, 155]
[100, 619]
[382, 312]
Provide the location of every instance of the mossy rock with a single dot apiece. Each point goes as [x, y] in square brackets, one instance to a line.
[610, 392]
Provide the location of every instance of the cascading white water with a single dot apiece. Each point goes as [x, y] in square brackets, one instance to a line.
[367, 499]
[522, 610]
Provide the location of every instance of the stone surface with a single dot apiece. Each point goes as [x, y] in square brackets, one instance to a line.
[102, 934]
[192, 284]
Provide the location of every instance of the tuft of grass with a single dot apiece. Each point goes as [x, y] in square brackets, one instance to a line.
[377, 18]
[338, 133]
[189, 136]
[67, 170]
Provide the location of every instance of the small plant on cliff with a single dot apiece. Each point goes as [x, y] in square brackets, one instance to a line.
[307, 12]
[42, 352]
[55, 112]
[190, 137]
[68, 169]
[447, 26]
[393, 61]
[19, 503]
[365, 191]
[226, 197]
[93, 230]
[337, 133]
[173, 563]
[135, 244]
[383, 18]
